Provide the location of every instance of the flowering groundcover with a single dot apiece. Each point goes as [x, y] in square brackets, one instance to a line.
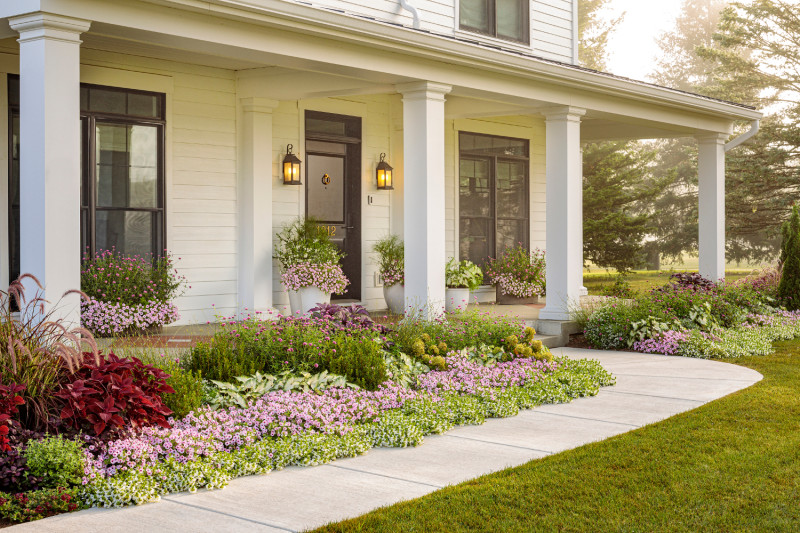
[208, 448]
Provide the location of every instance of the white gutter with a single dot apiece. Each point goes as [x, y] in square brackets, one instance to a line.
[744, 137]
[413, 10]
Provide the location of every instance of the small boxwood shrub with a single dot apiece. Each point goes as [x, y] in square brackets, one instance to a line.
[58, 462]
[186, 384]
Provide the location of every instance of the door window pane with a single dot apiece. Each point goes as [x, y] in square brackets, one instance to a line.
[127, 170]
[325, 189]
[107, 101]
[475, 14]
[127, 232]
[510, 233]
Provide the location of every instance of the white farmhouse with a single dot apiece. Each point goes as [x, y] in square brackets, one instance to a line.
[153, 124]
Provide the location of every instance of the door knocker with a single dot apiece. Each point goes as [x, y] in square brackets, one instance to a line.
[326, 180]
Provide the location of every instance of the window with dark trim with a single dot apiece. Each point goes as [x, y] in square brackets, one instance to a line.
[504, 19]
[493, 195]
[122, 171]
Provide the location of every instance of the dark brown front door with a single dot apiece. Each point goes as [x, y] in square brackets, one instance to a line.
[333, 187]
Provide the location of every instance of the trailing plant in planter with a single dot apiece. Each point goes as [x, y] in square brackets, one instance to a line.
[391, 267]
[310, 264]
[129, 294]
[518, 272]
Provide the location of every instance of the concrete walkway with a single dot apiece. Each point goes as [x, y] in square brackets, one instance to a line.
[649, 388]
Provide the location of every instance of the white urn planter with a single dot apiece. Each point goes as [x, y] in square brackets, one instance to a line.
[295, 305]
[310, 297]
[395, 296]
[456, 299]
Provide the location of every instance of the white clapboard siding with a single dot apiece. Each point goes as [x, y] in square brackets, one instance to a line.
[435, 15]
[552, 29]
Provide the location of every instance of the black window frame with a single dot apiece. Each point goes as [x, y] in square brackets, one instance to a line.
[491, 15]
[88, 193]
[494, 159]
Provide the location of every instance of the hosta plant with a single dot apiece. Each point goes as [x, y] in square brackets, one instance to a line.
[250, 388]
[462, 275]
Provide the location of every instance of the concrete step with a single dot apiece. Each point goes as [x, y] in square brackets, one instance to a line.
[551, 341]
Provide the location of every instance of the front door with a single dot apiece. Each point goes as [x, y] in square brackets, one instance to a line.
[333, 187]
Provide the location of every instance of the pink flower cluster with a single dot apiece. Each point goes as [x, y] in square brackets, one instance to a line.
[393, 275]
[509, 284]
[327, 277]
[466, 377]
[278, 414]
[108, 318]
[668, 343]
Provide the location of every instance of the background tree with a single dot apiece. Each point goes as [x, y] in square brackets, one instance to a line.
[789, 286]
[746, 53]
[615, 182]
[614, 226]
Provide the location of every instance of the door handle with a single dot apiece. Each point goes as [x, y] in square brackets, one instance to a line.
[349, 227]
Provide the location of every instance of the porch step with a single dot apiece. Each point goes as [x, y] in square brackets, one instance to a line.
[556, 332]
[551, 341]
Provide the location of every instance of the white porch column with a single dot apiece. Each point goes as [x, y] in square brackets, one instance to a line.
[254, 193]
[711, 192]
[423, 201]
[564, 211]
[50, 163]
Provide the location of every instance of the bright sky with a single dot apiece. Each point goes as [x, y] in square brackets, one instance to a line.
[633, 48]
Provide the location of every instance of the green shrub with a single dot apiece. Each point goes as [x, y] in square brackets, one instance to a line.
[620, 289]
[188, 384]
[295, 344]
[610, 327]
[789, 286]
[57, 461]
[457, 332]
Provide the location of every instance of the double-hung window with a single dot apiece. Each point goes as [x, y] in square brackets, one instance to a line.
[122, 171]
[504, 19]
[493, 195]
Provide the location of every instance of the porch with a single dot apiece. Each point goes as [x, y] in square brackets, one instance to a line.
[231, 90]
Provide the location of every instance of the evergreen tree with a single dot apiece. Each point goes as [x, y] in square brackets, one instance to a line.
[614, 183]
[789, 287]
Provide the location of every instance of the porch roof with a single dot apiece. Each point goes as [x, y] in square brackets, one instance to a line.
[350, 54]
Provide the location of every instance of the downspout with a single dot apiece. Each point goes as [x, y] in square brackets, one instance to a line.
[744, 137]
[413, 10]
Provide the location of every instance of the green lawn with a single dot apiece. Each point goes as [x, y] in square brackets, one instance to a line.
[643, 280]
[731, 465]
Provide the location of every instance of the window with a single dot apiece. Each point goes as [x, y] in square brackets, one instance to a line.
[122, 175]
[504, 19]
[493, 195]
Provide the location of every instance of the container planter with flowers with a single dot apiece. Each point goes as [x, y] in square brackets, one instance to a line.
[310, 265]
[519, 275]
[391, 266]
[129, 295]
[461, 277]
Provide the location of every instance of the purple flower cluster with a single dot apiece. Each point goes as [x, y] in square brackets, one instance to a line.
[466, 377]
[668, 343]
[278, 414]
[518, 271]
[327, 277]
[108, 318]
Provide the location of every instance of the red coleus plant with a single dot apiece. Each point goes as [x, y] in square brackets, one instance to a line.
[10, 401]
[115, 394]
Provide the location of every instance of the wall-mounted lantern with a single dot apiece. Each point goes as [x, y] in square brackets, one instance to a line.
[291, 168]
[384, 175]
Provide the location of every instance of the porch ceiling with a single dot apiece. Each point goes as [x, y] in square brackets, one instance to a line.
[289, 57]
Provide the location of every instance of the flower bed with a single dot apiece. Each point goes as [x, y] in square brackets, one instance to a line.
[696, 317]
[92, 429]
[208, 448]
[518, 272]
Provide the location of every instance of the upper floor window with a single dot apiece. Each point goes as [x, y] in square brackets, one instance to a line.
[504, 19]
